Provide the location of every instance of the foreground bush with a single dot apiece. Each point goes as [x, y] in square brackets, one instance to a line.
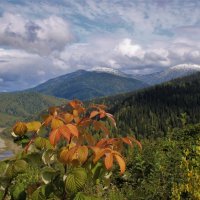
[68, 155]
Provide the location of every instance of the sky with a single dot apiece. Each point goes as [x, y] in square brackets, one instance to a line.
[42, 39]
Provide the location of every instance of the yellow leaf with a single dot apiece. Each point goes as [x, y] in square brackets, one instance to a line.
[75, 113]
[33, 126]
[20, 128]
[56, 123]
[82, 154]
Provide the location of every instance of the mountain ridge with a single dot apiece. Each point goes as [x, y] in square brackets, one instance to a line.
[85, 85]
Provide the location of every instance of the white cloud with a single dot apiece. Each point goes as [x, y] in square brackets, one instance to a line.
[126, 48]
[40, 36]
[51, 38]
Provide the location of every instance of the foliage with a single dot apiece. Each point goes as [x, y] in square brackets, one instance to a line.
[167, 168]
[70, 149]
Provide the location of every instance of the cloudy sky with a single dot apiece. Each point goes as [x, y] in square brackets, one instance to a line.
[42, 39]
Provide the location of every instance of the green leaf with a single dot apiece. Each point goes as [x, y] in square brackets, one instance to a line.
[42, 143]
[82, 196]
[76, 180]
[34, 159]
[1, 194]
[4, 182]
[18, 192]
[49, 157]
[97, 171]
[20, 166]
[3, 166]
[39, 194]
[48, 174]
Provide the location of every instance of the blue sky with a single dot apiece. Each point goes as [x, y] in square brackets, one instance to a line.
[43, 39]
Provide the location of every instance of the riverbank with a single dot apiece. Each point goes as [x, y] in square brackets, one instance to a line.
[7, 147]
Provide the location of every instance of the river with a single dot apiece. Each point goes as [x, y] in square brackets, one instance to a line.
[7, 147]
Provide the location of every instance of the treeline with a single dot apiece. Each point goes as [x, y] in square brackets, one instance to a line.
[153, 111]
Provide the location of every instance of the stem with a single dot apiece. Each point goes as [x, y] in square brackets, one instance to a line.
[6, 190]
[64, 193]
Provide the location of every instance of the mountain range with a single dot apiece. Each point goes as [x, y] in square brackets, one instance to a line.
[86, 85]
[104, 81]
[169, 74]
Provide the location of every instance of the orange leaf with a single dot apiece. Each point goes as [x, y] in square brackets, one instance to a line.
[66, 156]
[77, 119]
[90, 139]
[94, 113]
[121, 163]
[102, 142]
[73, 129]
[65, 132]
[56, 123]
[99, 153]
[127, 141]
[99, 125]
[48, 120]
[54, 137]
[85, 122]
[137, 142]
[74, 103]
[108, 161]
[68, 117]
[53, 111]
[102, 114]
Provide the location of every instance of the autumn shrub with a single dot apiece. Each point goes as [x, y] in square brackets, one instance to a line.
[69, 154]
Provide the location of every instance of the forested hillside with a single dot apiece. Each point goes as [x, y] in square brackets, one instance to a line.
[21, 106]
[86, 85]
[153, 111]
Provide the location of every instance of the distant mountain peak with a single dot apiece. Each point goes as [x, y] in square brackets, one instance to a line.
[186, 67]
[108, 70]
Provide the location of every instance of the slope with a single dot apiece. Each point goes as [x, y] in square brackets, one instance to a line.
[21, 106]
[153, 111]
[87, 85]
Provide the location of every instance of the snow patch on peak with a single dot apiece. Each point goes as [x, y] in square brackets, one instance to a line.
[108, 70]
[186, 67]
